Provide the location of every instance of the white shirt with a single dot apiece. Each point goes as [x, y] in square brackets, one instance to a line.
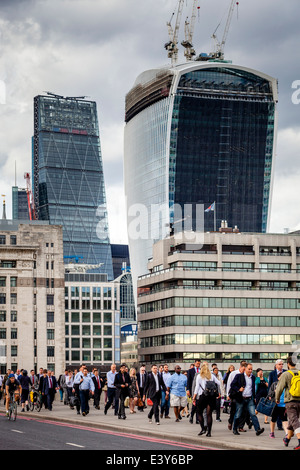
[166, 376]
[156, 380]
[201, 384]
[230, 379]
[248, 388]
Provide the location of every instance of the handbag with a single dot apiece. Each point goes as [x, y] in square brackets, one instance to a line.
[265, 406]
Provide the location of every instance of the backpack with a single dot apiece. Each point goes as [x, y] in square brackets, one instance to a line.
[211, 389]
[295, 384]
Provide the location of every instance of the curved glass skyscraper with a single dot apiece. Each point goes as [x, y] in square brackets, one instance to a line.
[68, 178]
[198, 133]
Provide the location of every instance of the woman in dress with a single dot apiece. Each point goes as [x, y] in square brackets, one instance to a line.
[133, 391]
[206, 401]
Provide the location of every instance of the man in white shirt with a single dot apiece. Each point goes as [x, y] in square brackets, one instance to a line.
[241, 370]
[112, 396]
[165, 404]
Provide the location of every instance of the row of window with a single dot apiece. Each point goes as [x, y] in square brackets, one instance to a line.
[201, 339]
[219, 302]
[13, 298]
[12, 238]
[217, 320]
[233, 266]
[12, 281]
[87, 356]
[74, 292]
[86, 343]
[87, 304]
[88, 317]
[86, 330]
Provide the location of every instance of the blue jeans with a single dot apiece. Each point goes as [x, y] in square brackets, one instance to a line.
[84, 400]
[165, 404]
[246, 404]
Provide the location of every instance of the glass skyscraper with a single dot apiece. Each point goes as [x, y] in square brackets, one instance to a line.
[68, 181]
[198, 133]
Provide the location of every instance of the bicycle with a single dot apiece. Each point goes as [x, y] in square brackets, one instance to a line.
[12, 409]
[34, 401]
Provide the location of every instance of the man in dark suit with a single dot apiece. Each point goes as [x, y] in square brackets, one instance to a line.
[243, 386]
[192, 372]
[154, 386]
[98, 382]
[122, 381]
[141, 377]
[49, 388]
[273, 377]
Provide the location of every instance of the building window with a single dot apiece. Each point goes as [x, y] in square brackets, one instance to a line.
[14, 333]
[107, 355]
[107, 317]
[2, 281]
[2, 333]
[13, 299]
[50, 334]
[107, 330]
[75, 355]
[2, 315]
[97, 356]
[13, 316]
[50, 299]
[13, 282]
[2, 240]
[50, 317]
[50, 351]
[13, 240]
[14, 351]
[2, 298]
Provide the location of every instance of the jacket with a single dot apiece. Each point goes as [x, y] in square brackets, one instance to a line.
[150, 388]
[284, 384]
[238, 382]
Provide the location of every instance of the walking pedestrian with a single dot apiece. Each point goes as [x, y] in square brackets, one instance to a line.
[49, 388]
[279, 410]
[122, 381]
[192, 372]
[243, 385]
[86, 386]
[291, 400]
[153, 387]
[231, 396]
[165, 404]
[261, 388]
[205, 400]
[217, 373]
[98, 388]
[141, 377]
[176, 386]
[133, 392]
[25, 383]
[112, 397]
[273, 377]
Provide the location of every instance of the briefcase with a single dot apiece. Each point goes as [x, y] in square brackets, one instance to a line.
[265, 406]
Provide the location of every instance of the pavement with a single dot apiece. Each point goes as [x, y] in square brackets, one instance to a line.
[183, 432]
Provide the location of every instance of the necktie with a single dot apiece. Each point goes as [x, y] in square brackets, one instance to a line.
[50, 382]
[98, 382]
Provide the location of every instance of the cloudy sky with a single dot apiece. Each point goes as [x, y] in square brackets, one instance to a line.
[97, 48]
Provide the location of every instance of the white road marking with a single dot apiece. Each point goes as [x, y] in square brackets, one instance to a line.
[74, 445]
[15, 430]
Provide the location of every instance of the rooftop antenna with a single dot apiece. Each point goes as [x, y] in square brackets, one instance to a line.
[189, 32]
[219, 52]
[172, 45]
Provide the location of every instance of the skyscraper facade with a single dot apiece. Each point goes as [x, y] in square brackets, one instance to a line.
[198, 133]
[68, 181]
[19, 204]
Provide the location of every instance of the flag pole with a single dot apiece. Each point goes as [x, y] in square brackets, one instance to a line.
[215, 217]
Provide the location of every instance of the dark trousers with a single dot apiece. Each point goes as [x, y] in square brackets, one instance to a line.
[50, 398]
[84, 396]
[97, 396]
[122, 398]
[141, 391]
[155, 407]
[112, 397]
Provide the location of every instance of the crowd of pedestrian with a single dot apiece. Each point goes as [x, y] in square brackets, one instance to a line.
[195, 394]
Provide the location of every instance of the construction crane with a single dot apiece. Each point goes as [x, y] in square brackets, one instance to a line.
[31, 208]
[172, 45]
[189, 32]
[219, 52]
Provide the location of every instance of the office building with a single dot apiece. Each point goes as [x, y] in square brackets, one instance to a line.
[68, 181]
[196, 134]
[19, 204]
[92, 318]
[236, 297]
[31, 296]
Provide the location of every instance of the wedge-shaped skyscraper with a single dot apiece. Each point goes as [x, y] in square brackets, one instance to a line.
[68, 179]
[199, 133]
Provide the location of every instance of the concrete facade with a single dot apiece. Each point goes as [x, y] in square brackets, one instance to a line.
[32, 296]
[234, 297]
